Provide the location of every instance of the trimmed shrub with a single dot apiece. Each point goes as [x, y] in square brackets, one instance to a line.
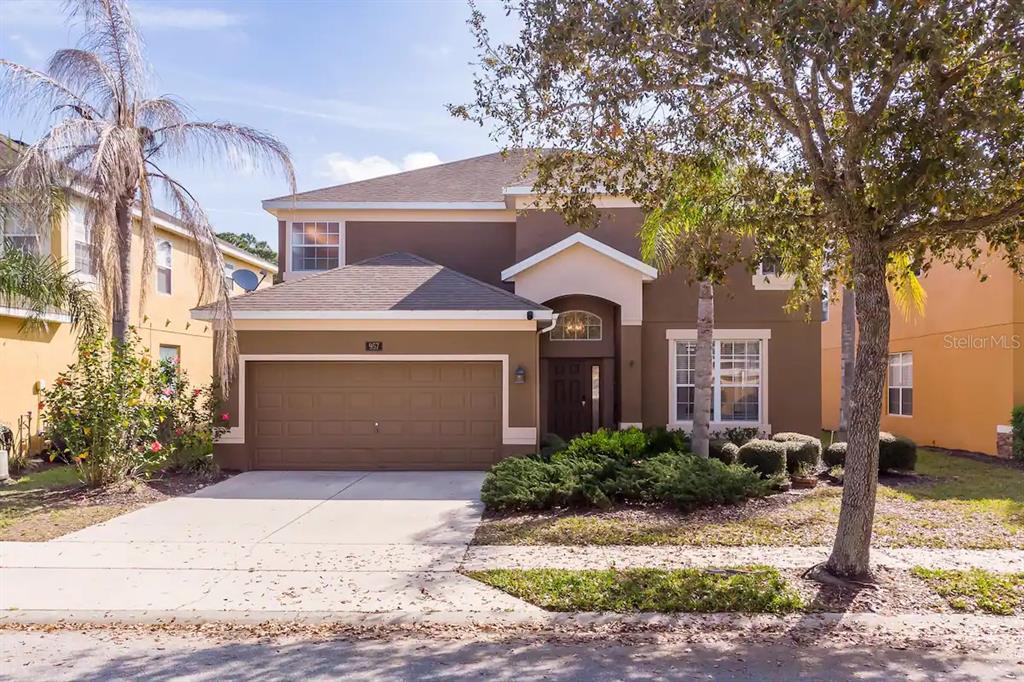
[897, 453]
[835, 455]
[621, 446]
[741, 435]
[689, 482]
[1017, 424]
[550, 443]
[800, 449]
[660, 439]
[724, 451]
[767, 457]
[519, 483]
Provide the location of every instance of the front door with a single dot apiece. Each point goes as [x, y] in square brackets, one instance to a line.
[574, 389]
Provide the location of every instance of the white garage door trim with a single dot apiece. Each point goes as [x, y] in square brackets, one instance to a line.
[510, 435]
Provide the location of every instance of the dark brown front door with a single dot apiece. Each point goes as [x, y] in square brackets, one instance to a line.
[572, 385]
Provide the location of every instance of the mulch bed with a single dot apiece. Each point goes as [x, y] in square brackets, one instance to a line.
[45, 514]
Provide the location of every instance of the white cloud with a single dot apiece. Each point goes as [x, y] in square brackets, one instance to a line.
[342, 168]
[28, 48]
[437, 52]
[188, 18]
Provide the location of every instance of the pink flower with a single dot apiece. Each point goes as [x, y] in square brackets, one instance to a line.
[178, 431]
[197, 391]
[168, 391]
[225, 416]
[156, 447]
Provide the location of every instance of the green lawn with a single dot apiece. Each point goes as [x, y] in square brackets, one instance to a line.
[953, 502]
[976, 589]
[756, 589]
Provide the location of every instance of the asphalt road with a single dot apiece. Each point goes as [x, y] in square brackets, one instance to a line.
[66, 655]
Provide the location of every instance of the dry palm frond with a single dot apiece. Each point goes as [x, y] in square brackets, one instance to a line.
[109, 142]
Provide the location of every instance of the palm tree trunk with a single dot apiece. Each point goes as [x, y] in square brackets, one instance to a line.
[851, 552]
[704, 368]
[122, 297]
[847, 360]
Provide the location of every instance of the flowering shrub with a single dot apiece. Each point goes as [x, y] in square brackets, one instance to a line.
[192, 420]
[117, 414]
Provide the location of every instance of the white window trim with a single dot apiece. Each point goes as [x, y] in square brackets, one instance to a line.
[289, 269]
[888, 385]
[157, 267]
[85, 277]
[762, 335]
[160, 348]
[558, 320]
[763, 282]
[510, 435]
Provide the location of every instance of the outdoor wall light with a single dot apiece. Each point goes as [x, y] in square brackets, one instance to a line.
[520, 375]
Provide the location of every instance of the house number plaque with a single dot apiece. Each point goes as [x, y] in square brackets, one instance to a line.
[374, 346]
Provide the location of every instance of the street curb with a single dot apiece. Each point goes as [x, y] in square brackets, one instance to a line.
[853, 622]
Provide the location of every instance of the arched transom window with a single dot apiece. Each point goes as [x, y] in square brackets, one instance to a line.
[577, 325]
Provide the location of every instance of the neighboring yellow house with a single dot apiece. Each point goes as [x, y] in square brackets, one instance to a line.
[955, 371]
[31, 358]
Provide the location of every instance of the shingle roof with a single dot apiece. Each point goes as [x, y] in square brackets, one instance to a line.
[477, 179]
[391, 282]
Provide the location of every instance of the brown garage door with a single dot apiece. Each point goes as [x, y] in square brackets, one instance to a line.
[374, 415]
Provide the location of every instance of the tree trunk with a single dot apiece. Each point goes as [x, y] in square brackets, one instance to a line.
[851, 552]
[122, 297]
[848, 358]
[704, 368]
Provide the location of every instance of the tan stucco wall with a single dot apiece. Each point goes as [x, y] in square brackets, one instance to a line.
[28, 357]
[967, 372]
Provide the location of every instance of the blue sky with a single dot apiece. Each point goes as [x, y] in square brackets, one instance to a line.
[353, 88]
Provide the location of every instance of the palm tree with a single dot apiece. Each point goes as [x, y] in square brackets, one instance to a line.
[699, 227]
[110, 140]
[41, 285]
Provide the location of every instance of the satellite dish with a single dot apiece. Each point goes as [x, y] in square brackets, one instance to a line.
[247, 279]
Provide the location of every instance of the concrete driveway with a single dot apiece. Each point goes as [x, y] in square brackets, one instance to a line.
[269, 542]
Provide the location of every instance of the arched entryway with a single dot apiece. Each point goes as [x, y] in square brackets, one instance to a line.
[579, 367]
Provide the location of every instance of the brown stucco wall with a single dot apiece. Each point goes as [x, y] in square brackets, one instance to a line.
[478, 249]
[670, 302]
[520, 346]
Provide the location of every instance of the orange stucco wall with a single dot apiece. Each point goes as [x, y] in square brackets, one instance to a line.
[30, 356]
[968, 348]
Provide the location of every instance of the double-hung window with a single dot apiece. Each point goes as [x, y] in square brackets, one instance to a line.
[737, 380]
[82, 241]
[315, 246]
[901, 384]
[229, 282]
[164, 260]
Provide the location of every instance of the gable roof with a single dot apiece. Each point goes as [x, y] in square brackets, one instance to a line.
[646, 271]
[475, 180]
[392, 286]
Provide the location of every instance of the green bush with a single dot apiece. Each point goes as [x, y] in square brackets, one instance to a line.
[550, 443]
[689, 482]
[801, 449]
[897, 453]
[520, 483]
[660, 439]
[1017, 424]
[835, 455]
[724, 451]
[740, 435]
[622, 447]
[767, 457]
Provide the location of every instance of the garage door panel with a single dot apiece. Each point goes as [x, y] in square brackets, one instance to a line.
[375, 415]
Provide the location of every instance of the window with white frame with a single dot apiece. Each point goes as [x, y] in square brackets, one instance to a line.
[315, 246]
[770, 267]
[82, 237]
[16, 233]
[901, 384]
[577, 325]
[229, 282]
[164, 259]
[737, 381]
[170, 354]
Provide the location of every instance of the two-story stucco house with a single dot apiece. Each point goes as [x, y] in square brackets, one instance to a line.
[31, 358]
[437, 319]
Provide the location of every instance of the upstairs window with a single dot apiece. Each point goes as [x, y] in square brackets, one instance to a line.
[901, 384]
[577, 325]
[82, 237]
[229, 282]
[164, 258]
[315, 246]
